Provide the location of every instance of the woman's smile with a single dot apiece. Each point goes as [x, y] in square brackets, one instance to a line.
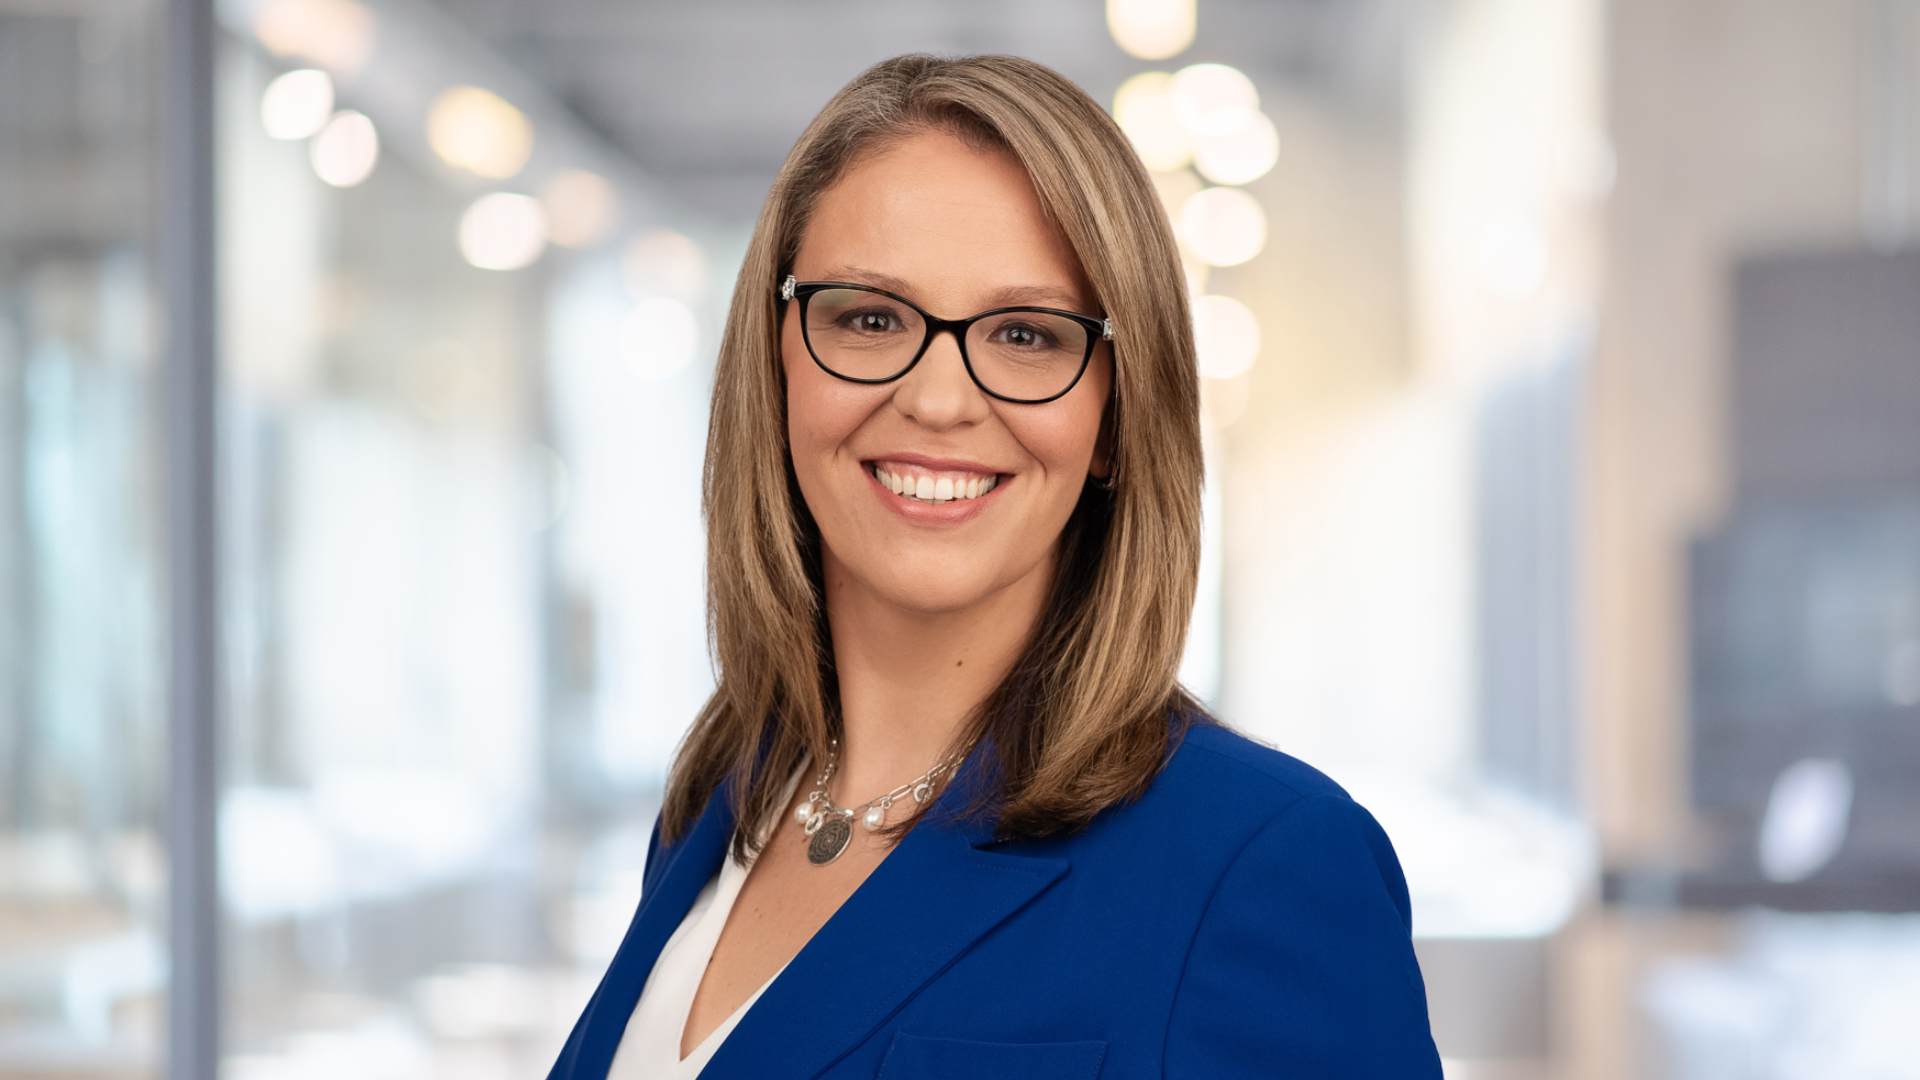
[934, 491]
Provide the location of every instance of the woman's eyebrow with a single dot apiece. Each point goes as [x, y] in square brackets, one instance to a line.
[1008, 296]
[1042, 295]
[855, 275]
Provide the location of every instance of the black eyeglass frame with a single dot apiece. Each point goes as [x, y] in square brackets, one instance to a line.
[1098, 330]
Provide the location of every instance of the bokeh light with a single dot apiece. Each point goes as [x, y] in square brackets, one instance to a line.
[581, 208]
[665, 263]
[297, 104]
[1212, 99]
[1152, 29]
[1239, 156]
[345, 151]
[503, 231]
[1806, 819]
[335, 34]
[1143, 107]
[1226, 335]
[658, 339]
[480, 131]
[1223, 226]
[1513, 256]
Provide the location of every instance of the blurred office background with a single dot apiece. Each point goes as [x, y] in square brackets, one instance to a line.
[1562, 384]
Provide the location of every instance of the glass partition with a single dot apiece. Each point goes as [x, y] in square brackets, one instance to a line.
[465, 363]
[82, 647]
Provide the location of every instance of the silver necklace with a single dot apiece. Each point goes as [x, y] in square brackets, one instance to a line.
[829, 828]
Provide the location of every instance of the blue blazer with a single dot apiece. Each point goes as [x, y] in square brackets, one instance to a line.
[1243, 918]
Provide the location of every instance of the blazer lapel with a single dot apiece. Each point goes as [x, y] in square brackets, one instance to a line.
[923, 906]
[664, 900]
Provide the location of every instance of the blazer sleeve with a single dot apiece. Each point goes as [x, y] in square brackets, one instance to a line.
[1303, 964]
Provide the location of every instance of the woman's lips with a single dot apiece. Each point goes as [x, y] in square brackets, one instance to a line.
[935, 492]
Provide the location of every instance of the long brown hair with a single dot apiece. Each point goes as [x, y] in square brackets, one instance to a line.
[1087, 714]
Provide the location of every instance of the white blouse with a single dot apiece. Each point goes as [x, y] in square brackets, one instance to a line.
[650, 1048]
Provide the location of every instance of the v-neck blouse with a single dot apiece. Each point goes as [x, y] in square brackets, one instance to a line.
[650, 1047]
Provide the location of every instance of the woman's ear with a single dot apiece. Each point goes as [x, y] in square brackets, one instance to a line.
[1101, 467]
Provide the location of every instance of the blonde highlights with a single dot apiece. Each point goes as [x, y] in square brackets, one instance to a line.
[1089, 711]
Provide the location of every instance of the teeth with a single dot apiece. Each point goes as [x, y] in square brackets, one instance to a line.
[929, 489]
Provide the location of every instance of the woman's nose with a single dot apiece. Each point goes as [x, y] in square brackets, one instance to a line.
[938, 393]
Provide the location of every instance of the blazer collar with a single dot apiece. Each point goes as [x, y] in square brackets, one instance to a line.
[929, 900]
[942, 889]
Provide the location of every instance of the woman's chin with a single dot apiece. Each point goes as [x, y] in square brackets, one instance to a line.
[929, 598]
[931, 586]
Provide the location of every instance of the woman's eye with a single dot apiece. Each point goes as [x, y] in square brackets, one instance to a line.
[872, 322]
[1025, 337]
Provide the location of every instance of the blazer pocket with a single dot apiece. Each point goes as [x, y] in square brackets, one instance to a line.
[915, 1057]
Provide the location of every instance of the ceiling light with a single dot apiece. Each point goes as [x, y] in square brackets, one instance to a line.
[1226, 335]
[1143, 107]
[345, 150]
[1223, 226]
[581, 207]
[1151, 29]
[503, 231]
[1240, 156]
[297, 104]
[480, 131]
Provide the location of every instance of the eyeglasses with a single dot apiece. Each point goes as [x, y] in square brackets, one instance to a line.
[1023, 355]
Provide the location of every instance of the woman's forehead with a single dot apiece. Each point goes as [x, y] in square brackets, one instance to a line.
[934, 218]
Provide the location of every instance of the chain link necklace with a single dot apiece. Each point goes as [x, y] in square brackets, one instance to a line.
[829, 828]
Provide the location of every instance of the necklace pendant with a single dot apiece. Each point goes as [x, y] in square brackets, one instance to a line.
[828, 839]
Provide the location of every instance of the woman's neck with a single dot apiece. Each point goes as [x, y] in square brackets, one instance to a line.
[909, 679]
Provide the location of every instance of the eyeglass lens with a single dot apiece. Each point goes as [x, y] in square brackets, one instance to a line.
[1024, 355]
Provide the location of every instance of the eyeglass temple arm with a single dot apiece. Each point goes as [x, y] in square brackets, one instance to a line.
[787, 286]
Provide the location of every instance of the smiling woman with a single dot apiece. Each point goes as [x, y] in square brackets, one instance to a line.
[953, 501]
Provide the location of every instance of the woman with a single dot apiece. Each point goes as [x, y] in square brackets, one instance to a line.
[951, 559]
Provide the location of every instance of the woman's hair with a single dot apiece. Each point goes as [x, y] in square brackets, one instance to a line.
[1089, 711]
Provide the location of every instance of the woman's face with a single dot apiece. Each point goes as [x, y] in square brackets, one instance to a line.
[957, 231]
